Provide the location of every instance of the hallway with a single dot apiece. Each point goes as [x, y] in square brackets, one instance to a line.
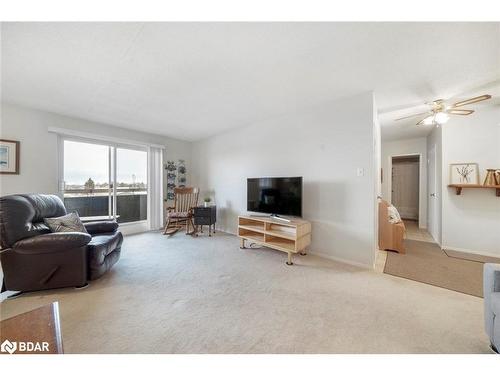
[413, 232]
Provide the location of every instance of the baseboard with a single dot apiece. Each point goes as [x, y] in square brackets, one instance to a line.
[326, 256]
[340, 260]
[484, 253]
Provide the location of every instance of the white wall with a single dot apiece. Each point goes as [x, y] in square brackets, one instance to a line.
[471, 221]
[38, 147]
[434, 142]
[39, 154]
[325, 145]
[406, 147]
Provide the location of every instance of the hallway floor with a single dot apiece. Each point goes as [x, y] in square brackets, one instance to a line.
[413, 232]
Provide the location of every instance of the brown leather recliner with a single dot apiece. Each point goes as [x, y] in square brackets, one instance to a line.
[33, 258]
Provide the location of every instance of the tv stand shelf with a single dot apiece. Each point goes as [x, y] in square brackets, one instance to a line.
[290, 237]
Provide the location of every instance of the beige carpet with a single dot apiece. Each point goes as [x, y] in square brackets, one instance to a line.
[205, 295]
[427, 263]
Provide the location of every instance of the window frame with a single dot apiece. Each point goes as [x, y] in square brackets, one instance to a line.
[134, 226]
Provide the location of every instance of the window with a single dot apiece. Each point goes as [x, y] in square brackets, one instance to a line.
[96, 176]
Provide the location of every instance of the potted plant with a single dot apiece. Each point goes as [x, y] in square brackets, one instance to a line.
[207, 201]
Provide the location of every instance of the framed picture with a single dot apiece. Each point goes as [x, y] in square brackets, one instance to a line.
[9, 157]
[464, 174]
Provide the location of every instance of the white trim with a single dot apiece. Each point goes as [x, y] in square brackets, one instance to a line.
[422, 222]
[155, 188]
[323, 255]
[484, 253]
[340, 260]
[134, 227]
[98, 137]
[150, 196]
[130, 223]
[60, 167]
[110, 182]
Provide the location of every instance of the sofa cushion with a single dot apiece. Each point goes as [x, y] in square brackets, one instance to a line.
[103, 251]
[21, 216]
[178, 215]
[67, 223]
[45, 205]
[495, 303]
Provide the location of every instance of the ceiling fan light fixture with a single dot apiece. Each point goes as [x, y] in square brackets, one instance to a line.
[441, 118]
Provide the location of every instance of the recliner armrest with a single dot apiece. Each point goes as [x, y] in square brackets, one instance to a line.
[491, 284]
[52, 242]
[96, 227]
[491, 275]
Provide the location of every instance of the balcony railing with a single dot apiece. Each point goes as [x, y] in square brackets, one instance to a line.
[131, 203]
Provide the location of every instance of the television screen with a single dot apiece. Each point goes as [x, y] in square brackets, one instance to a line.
[275, 195]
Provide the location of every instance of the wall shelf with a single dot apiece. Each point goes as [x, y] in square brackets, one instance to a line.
[458, 188]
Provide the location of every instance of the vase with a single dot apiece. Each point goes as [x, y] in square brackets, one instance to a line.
[492, 177]
[207, 204]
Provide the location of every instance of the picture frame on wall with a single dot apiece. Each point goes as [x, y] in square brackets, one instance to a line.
[464, 174]
[9, 156]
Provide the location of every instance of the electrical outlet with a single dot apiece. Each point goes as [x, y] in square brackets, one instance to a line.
[360, 172]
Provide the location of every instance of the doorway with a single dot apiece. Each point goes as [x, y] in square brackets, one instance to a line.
[405, 186]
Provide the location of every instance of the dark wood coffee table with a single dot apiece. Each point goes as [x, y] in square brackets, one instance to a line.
[33, 332]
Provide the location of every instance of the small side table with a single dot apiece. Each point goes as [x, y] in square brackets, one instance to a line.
[205, 216]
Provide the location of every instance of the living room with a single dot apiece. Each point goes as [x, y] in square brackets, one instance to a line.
[186, 179]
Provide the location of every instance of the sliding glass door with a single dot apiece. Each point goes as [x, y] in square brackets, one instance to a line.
[87, 179]
[105, 181]
[131, 185]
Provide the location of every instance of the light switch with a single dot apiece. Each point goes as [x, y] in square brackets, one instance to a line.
[360, 172]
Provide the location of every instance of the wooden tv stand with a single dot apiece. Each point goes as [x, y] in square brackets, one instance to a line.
[291, 237]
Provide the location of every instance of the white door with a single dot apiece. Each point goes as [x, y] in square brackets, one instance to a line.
[433, 198]
[405, 188]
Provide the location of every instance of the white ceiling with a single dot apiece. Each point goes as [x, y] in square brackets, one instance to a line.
[193, 80]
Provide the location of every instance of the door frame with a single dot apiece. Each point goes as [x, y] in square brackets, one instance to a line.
[434, 226]
[422, 221]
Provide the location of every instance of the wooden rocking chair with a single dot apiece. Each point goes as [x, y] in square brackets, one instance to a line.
[181, 213]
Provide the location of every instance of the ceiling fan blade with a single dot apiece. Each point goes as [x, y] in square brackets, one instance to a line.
[471, 100]
[410, 116]
[421, 122]
[462, 112]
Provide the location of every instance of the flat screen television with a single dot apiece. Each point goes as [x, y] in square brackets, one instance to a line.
[275, 195]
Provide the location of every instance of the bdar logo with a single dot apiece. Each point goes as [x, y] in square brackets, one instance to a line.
[9, 347]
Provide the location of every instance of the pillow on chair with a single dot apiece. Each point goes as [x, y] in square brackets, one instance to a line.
[67, 223]
[393, 214]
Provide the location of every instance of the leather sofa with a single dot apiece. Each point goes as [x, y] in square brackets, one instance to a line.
[491, 291]
[34, 258]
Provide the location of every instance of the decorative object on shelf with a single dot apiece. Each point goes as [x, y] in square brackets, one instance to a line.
[207, 201]
[9, 156]
[181, 173]
[171, 169]
[492, 177]
[464, 174]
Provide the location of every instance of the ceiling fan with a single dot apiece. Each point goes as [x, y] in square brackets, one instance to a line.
[439, 112]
